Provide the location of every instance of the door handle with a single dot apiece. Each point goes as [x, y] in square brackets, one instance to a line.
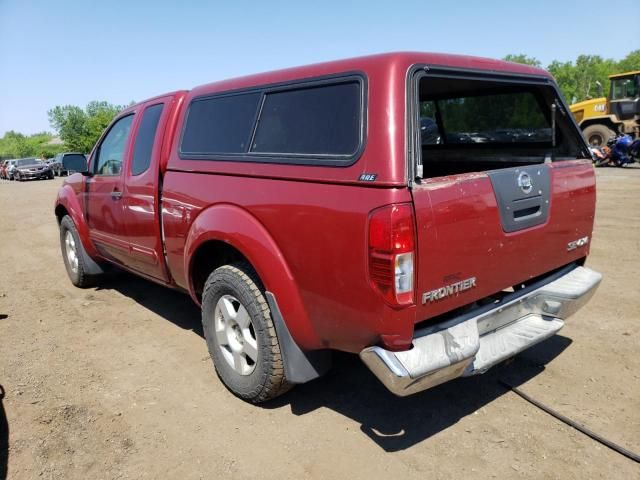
[116, 195]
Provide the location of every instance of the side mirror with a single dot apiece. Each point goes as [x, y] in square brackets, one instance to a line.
[75, 163]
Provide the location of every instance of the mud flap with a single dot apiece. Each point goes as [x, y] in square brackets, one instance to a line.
[299, 366]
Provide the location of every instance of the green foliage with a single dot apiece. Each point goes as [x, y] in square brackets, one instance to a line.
[579, 80]
[488, 113]
[630, 63]
[17, 145]
[80, 129]
[520, 58]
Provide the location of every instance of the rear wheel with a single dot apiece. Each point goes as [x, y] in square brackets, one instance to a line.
[241, 336]
[597, 134]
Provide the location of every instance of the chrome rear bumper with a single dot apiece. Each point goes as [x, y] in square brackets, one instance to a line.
[474, 342]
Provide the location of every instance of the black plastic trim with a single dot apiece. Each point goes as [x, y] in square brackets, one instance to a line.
[299, 366]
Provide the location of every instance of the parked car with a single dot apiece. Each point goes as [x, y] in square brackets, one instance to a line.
[3, 169]
[57, 162]
[305, 211]
[31, 168]
[50, 162]
[8, 169]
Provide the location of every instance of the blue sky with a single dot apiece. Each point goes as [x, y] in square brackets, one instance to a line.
[72, 51]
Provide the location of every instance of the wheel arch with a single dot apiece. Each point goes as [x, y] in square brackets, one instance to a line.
[609, 121]
[224, 233]
[67, 203]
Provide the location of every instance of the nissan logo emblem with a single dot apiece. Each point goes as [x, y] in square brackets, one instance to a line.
[524, 182]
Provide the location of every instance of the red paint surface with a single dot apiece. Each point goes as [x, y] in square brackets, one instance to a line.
[305, 228]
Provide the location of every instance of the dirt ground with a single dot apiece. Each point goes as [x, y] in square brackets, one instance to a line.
[116, 382]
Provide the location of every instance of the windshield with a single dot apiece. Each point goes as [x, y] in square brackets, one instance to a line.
[27, 161]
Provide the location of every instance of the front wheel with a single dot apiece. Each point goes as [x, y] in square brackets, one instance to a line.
[74, 255]
[241, 336]
[597, 135]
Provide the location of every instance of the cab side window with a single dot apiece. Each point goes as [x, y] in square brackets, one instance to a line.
[145, 139]
[111, 152]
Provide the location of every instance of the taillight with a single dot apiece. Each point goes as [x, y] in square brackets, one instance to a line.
[392, 253]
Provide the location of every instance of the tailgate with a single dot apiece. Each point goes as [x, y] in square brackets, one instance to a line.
[470, 245]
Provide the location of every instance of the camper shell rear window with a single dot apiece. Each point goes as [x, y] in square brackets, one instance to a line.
[478, 123]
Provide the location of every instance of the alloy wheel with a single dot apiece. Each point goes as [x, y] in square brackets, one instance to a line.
[235, 334]
[71, 251]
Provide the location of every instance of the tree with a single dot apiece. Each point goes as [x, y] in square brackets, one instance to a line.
[80, 129]
[524, 59]
[587, 77]
[629, 63]
[17, 145]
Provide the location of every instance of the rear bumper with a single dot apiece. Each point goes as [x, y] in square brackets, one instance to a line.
[474, 342]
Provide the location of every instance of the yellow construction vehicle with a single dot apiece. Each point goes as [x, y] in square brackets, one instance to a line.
[601, 118]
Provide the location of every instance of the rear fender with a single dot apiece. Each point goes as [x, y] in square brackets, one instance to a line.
[241, 230]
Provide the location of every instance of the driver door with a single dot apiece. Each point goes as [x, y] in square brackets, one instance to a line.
[104, 189]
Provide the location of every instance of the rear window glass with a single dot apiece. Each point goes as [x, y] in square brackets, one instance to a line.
[220, 124]
[76, 157]
[145, 139]
[481, 123]
[497, 118]
[323, 120]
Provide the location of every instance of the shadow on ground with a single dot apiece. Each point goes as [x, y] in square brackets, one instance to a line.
[396, 423]
[349, 389]
[172, 305]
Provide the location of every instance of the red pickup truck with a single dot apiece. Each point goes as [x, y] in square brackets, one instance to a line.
[430, 212]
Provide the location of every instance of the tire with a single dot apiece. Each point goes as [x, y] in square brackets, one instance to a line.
[243, 345]
[75, 265]
[597, 134]
[50, 175]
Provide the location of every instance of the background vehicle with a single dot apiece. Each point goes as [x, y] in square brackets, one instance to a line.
[3, 169]
[315, 209]
[50, 162]
[57, 162]
[31, 168]
[9, 169]
[602, 118]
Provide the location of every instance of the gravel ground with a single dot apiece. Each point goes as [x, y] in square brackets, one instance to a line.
[116, 382]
